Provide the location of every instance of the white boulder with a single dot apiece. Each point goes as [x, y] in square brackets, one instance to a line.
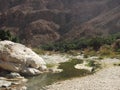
[18, 58]
[83, 66]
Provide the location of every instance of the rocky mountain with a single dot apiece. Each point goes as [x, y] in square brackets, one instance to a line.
[39, 22]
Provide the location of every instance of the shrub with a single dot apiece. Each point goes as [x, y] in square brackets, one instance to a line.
[91, 63]
[116, 45]
[6, 35]
[81, 44]
[38, 51]
[89, 52]
[106, 50]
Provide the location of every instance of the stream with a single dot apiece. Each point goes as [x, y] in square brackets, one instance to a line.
[39, 82]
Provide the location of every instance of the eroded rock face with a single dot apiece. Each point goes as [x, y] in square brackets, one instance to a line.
[18, 58]
[40, 31]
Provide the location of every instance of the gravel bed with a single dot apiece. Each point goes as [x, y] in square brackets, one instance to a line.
[106, 79]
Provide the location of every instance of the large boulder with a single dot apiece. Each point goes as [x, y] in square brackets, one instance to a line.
[16, 57]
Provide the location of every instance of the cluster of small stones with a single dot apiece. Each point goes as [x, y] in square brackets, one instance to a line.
[12, 81]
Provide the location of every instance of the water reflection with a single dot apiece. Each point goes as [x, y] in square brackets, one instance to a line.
[39, 82]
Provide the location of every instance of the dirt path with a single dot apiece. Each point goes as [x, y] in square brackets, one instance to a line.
[105, 79]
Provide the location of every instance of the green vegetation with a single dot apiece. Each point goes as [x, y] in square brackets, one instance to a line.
[93, 64]
[6, 35]
[89, 52]
[69, 71]
[38, 51]
[50, 65]
[98, 46]
[116, 45]
[82, 44]
[107, 51]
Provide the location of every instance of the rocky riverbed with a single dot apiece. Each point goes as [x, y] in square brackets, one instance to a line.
[108, 74]
[16, 59]
[63, 70]
[107, 78]
[12, 81]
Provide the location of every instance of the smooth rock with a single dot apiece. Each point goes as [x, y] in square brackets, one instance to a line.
[80, 66]
[83, 66]
[16, 57]
[31, 71]
[4, 83]
[13, 75]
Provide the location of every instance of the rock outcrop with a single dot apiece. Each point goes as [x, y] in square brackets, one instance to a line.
[16, 57]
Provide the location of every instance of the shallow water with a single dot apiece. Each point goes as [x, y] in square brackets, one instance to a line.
[39, 82]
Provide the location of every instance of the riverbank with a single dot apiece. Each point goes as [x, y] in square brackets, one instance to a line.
[106, 79]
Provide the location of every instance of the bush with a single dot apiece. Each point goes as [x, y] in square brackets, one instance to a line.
[81, 44]
[91, 63]
[38, 51]
[89, 52]
[116, 45]
[106, 50]
[6, 35]
[96, 43]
